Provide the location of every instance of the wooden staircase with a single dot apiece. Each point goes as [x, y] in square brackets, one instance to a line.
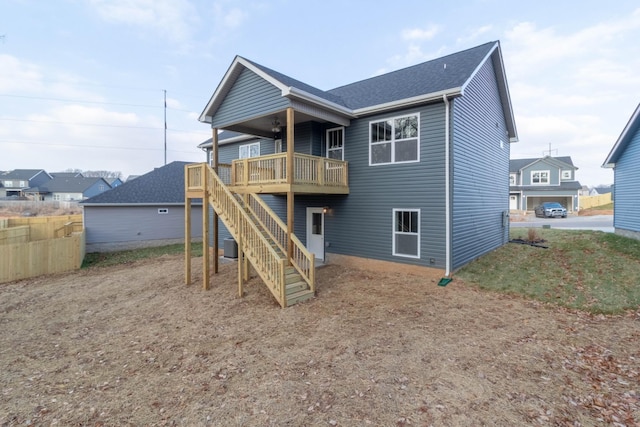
[261, 236]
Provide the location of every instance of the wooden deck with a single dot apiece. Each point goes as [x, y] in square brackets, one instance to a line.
[268, 174]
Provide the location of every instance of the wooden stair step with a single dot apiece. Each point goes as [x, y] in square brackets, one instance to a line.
[295, 287]
[299, 297]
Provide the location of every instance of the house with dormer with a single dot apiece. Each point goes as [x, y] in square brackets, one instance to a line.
[547, 179]
[16, 182]
[408, 169]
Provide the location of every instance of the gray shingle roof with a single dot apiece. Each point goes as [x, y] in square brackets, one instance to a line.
[516, 164]
[66, 184]
[288, 81]
[564, 186]
[21, 174]
[449, 72]
[164, 185]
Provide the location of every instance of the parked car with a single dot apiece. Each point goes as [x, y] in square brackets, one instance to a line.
[551, 210]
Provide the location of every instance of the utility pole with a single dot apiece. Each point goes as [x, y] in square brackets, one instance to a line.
[549, 150]
[165, 126]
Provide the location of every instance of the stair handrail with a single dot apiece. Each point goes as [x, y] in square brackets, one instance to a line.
[269, 265]
[302, 260]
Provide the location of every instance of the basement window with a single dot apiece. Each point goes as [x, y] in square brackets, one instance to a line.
[163, 211]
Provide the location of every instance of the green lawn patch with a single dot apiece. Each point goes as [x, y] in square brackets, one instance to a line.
[587, 270]
[104, 259]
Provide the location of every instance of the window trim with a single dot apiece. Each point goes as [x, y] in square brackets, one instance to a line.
[248, 150]
[541, 172]
[341, 129]
[515, 179]
[393, 140]
[565, 174]
[394, 233]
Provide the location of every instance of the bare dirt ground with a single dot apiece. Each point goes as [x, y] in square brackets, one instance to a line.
[132, 345]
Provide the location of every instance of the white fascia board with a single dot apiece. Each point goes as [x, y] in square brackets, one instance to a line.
[228, 79]
[291, 91]
[239, 138]
[409, 102]
[608, 163]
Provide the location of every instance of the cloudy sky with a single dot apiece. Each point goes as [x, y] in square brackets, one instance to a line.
[82, 81]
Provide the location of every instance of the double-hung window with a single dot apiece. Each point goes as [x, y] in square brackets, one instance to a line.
[335, 143]
[406, 233]
[394, 140]
[249, 150]
[539, 177]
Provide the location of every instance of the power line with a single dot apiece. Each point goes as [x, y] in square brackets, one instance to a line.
[79, 101]
[49, 144]
[56, 122]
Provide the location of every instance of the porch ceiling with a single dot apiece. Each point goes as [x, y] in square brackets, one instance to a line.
[263, 125]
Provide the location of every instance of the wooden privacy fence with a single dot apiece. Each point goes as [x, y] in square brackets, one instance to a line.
[29, 247]
[587, 202]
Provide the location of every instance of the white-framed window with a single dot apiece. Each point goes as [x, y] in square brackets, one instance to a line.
[539, 177]
[8, 184]
[566, 174]
[394, 140]
[56, 197]
[512, 179]
[335, 143]
[406, 233]
[249, 150]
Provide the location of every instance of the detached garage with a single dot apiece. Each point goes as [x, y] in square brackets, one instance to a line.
[146, 211]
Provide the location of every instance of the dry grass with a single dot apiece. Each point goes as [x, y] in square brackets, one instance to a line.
[132, 345]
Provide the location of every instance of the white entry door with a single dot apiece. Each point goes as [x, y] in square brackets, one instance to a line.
[513, 203]
[315, 232]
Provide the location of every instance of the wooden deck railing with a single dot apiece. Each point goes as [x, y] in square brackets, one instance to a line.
[269, 265]
[272, 169]
[302, 260]
[68, 229]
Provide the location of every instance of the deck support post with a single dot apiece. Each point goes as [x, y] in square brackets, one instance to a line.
[240, 262]
[214, 164]
[205, 231]
[187, 238]
[290, 181]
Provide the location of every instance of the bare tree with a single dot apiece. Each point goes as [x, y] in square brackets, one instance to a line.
[103, 174]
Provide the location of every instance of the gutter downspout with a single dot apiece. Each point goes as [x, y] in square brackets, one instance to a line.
[447, 203]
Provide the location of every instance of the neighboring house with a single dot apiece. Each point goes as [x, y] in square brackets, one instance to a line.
[602, 190]
[147, 211]
[624, 158]
[409, 167]
[546, 179]
[17, 181]
[115, 182]
[68, 188]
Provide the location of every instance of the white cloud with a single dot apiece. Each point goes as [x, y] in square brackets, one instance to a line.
[421, 34]
[170, 19]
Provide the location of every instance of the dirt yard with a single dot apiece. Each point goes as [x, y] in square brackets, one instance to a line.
[132, 345]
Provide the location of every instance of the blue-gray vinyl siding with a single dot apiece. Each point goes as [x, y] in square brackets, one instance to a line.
[480, 173]
[554, 172]
[627, 187]
[117, 224]
[361, 224]
[250, 96]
